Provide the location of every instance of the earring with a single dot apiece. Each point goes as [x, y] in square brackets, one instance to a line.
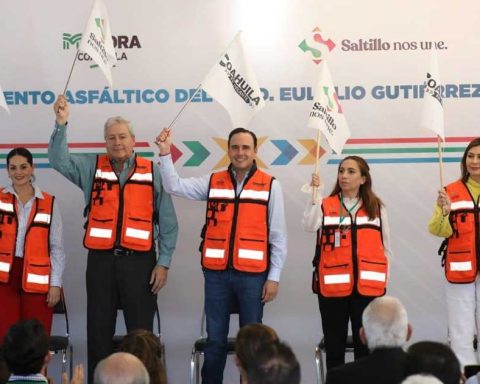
[32, 178]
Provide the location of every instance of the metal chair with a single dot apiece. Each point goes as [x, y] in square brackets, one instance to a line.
[61, 343]
[117, 339]
[320, 351]
[200, 344]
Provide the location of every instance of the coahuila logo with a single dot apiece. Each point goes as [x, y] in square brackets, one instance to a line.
[120, 42]
[240, 85]
[317, 45]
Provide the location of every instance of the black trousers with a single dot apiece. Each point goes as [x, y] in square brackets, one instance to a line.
[116, 282]
[336, 313]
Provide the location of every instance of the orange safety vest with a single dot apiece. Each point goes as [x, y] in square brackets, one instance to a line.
[350, 253]
[462, 252]
[236, 229]
[36, 252]
[128, 209]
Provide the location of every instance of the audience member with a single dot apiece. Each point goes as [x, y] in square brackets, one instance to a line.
[421, 379]
[121, 368]
[26, 351]
[275, 364]
[385, 330]
[437, 359]
[247, 343]
[146, 346]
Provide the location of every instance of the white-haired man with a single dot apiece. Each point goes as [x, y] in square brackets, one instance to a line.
[121, 368]
[385, 330]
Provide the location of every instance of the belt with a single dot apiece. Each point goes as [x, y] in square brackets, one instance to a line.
[122, 252]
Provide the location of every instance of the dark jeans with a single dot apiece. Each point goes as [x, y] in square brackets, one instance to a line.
[222, 290]
[335, 313]
[113, 282]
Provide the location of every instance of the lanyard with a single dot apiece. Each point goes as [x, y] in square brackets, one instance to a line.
[348, 210]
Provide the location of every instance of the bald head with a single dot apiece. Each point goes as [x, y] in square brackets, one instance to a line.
[121, 368]
[385, 323]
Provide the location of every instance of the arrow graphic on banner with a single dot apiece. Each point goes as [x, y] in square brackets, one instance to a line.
[175, 152]
[288, 152]
[311, 146]
[200, 153]
[225, 161]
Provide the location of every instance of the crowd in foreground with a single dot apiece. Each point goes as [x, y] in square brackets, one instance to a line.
[260, 355]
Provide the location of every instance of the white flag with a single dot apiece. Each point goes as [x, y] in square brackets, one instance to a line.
[97, 40]
[233, 84]
[3, 102]
[327, 114]
[432, 114]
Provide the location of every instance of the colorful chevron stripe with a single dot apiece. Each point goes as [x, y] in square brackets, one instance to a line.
[403, 150]
[375, 150]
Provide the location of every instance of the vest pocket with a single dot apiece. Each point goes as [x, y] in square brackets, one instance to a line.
[251, 254]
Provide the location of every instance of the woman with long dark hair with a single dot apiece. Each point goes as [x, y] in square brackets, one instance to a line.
[32, 258]
[456, 218]
[351, 258]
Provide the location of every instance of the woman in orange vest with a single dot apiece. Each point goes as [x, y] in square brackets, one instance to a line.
[32, 258]
[456, 218]
[352, 252]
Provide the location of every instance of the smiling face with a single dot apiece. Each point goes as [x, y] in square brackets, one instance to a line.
[242, 152]
[350, 178]
[472, 163]
[20, 171]
[119, 142]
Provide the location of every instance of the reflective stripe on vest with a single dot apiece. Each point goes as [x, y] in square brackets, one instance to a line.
[256, 195]
[214, 253]
[37, 279]
[336, 279]
[371, 275]
[4, 267]
[42, 218]
[7, 207]
[100, 233]
[249, 254]
[221, 193]
[461, 266]
[462, 205]
[111, 176]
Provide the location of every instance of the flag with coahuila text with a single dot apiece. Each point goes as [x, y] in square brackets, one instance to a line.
[97, 40]
[233, 84]
[432, 113]
[327, 114]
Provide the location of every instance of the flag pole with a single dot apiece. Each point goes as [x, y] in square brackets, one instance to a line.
[440, 161]
[199, 86]
[183, 107]
[316, 171]
[70, 75]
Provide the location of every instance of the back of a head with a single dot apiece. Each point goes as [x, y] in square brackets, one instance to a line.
[433, 358]
[421, 379]
[25, 347]
[121, 368]
[146, 346]
[385, 322]
[275, 364]
[249, 340]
